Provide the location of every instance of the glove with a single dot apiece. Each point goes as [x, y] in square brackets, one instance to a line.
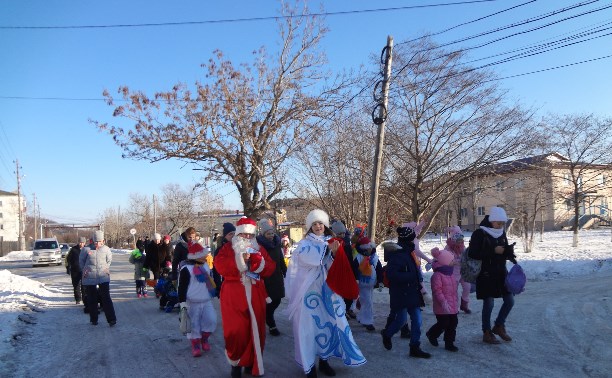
[428, 267]
[183, 305]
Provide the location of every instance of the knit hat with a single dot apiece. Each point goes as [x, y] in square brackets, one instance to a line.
[455, 233]
[365, 243]
[338, 227]
[265, 225]
[405, 233]
[167, 237]
[82, 239]
[497, 214]
[227, 228]
[98, 236]
[246, 226]
[443, 256]
[196, 251]
[317, 215]
[157, 236]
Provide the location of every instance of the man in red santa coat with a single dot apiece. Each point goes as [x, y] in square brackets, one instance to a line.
[243, 265]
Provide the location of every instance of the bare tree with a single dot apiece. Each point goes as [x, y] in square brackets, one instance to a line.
[447, 122]
[178, 208]
[241, 124]
[140, 213]
[584, 140]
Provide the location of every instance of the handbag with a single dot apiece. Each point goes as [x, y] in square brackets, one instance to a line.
[184, 321]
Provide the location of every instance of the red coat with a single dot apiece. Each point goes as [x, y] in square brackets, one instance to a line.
[244, 315]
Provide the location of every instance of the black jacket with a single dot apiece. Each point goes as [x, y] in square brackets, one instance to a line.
[275, 284]
[180, 254]
[72, 259]
[492, 277]
[404, 279]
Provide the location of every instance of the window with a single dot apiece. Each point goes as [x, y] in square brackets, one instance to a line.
[579, 182]
[1, 227]
[464, 213]
[602, 181]
[566, 180]
[0, 203]
[603, 207]
[0, 215]
[568, 204]
[481, 210]
[499, 186]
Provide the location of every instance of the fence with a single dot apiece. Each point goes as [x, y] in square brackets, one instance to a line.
[8, 246]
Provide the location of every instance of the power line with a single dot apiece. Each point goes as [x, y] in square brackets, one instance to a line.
[249, 19]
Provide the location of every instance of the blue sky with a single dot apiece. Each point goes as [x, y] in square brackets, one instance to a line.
[77, 172]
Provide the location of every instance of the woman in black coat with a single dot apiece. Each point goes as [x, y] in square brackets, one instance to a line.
[275, 284]
[490, 245]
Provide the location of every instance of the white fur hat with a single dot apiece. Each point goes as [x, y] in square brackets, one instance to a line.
[497, 214]
[157, 236]
[317, 215]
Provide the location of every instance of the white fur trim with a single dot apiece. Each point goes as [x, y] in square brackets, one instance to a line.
[261, 266]
[231, 362]
[317, 215]
[246, 229]
[240, 264]
[268, 300]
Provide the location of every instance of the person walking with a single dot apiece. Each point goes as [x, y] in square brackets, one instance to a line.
[155, 256]
[73, 268]
[140, 272]
[456, 245]
[489, 244]
[181, 250]
[95, 263]
[370, 276]
[243, 264]
[275, 284]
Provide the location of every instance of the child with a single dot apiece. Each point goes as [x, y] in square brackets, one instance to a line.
[137, 258]
[165, 289]
[456, 245]
[444, 290]
[369, 276]
[195, 292]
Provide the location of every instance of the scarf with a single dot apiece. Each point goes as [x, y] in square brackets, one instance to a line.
[494, 232]
[447, 270]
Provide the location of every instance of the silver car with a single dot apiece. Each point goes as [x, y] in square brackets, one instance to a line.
[46, 252]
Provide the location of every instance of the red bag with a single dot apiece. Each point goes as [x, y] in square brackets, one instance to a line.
[340, 277]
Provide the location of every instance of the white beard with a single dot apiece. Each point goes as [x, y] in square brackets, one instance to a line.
[241, 246]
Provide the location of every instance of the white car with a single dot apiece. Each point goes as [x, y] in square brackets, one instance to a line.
[46, 252]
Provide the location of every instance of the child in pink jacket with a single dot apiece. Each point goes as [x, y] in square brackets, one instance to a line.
[444, 292]
[456, 245]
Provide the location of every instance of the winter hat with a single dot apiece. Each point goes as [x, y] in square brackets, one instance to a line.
[167, 237]
[98, 236]
[196, 251]
[405, 233]
[455, 233]
[227, 228]
[157, 236]
[265, 225]
[246, 226]
[285, 238]
[365, 243]
[82, 239]
[497, 214]
[443, 256]
[317, 215]
[338, 227]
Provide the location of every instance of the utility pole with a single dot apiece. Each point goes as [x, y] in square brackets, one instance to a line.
[380, 120]
[34, 195]
[20, 237]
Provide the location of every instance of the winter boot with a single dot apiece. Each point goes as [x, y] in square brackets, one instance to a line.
[500, 331]
[451, 347]
[405, 332]
[205, 344]
[415, 351]
[489, 338]
[195, 348]
[326, 369]
[464, 307]
[312, 373]
[432, 340]
[236, 372]
[386, 340]
[274, 331]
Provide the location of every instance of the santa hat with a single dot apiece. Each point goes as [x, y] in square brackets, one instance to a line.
[455, 233]
[317, 215]
[246, 226]
[196, 251]
[443, 256]
[497, 214]
[365, 243]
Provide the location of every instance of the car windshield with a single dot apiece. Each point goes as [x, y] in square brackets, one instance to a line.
[45, 244]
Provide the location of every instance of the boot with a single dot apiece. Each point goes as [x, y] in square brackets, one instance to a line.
[386, 340]
[312, 373]
[489, 338]
[464, 307]
[405, 332]
[236, 372]
[195, 348]
[274, 331]
[432, 340]
[450, 347]
[205, 344]
[326, 369]
[415, 351]
[500, 331]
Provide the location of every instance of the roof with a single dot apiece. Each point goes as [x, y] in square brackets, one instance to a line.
[526, 163]
[4, 193]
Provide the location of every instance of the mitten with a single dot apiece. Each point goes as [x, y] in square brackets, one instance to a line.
[255, 260]
[428, 267]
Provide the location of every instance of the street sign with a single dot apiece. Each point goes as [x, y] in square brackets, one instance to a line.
[133, 231]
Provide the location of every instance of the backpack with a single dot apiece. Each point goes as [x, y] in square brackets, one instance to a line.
[516, 280]
[470, 268]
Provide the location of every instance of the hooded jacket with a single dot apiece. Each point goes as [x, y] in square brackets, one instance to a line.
[95, 264]
[404, 278]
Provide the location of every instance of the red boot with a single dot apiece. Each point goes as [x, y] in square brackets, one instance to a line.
[205, 344]
[195, 348]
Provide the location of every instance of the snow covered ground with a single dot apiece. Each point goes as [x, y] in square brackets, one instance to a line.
[561, 325]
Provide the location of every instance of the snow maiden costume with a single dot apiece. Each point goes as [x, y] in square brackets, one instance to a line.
[320, 327]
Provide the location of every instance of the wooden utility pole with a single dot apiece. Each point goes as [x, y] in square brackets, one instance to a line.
[34, 203]
[380, 140]
[20, 237]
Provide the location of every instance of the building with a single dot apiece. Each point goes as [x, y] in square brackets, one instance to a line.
[9, 215]
[541, 190]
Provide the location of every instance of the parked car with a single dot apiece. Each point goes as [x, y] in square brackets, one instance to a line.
[65, 248]
[46, 252]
